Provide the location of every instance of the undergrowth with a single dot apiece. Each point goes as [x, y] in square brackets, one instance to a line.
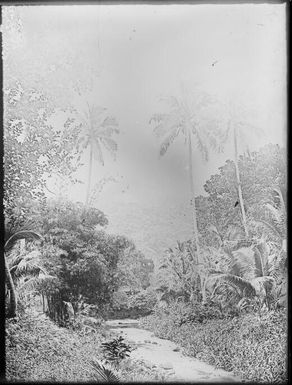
[39, 350]
[252, 346]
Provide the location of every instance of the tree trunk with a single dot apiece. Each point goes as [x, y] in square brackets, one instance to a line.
[193, 203]
[12, 309]
[204, 294]
[89, 176]
[194, 214]
[239, 182]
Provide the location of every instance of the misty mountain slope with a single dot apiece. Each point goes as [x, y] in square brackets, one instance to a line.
[153, 229]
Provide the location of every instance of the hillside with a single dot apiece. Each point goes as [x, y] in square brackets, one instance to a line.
[152, 228]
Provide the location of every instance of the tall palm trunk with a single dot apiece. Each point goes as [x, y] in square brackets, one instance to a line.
[238, 180]
[89, 176]
[194, 214]
[193, 203]
[12, 309]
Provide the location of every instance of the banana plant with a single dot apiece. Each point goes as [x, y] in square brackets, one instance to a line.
[10, 242]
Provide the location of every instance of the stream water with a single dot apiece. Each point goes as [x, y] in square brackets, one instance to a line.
[164, 354]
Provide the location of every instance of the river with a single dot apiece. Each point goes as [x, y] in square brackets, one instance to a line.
[164, 354]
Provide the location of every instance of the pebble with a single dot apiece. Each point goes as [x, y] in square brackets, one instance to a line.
[176, 349]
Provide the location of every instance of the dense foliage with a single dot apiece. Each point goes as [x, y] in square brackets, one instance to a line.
[221, 295]
[38, 350]
[243, 266]
[252, 346]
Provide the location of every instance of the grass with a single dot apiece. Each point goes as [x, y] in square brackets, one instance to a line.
[253, 347]
[39, 350]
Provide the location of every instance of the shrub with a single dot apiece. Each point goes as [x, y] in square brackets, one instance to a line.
[116, 350]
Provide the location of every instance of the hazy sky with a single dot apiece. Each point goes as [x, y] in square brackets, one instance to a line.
[144, 52]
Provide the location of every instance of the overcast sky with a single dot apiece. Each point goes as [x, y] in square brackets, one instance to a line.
[144, 52]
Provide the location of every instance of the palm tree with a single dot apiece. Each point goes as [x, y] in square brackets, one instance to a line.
[98, 129]
[275, 226]
[185, 120]
[249, 274]
[10, 242]
[235, 127]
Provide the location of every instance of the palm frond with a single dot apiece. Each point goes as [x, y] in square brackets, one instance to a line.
[213, 139]
[225, 134]
[27, 267]
[35, 282]
[110, 122]
[202, 147]
[263, 286]
[234, 233]
[97, 153]
[172, 101]
[269, 226]
[241, 285]
[213, 229]
[163, 129]
[282, 203]
[107, 132]
[168, 141]
[24, 234]
[110, 145]
[277, 214]
[96, 113]
[157, 118]
[104, 373]
[261, 258]
[243, 261]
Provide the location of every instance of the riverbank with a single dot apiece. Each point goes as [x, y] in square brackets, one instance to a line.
[38, 350]
[166, 355]
[252, 346]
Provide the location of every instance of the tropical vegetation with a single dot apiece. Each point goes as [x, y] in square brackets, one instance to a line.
[221, 294]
